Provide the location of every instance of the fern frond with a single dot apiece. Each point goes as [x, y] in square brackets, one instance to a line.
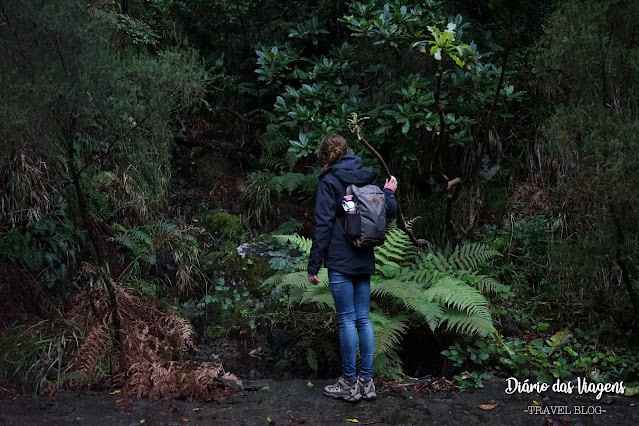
[163, 227]
[397, 250]
[410, 295]
[485, 284]
[438, 261]
[320, 296]
[290, 182]
[471, 256]
[294, 280]
[273, 280]
[302, 243]
[424, 270]
[388, 365]
[142, 236]
[275, 144]
[388, 335]
[388, 331]
[452, 292]
[462, 322]
[274, 164]
[301, 291]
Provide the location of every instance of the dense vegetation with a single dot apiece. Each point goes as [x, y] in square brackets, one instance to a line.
[142, 142]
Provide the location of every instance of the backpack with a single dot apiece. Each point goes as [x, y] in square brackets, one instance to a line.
[367, 227]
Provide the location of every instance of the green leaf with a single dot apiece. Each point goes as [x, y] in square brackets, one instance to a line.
[405, 127]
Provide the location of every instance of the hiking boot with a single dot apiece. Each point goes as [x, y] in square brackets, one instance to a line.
[367, 389]
[346, 390]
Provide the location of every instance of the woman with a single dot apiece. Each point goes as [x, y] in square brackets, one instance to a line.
[349, 267]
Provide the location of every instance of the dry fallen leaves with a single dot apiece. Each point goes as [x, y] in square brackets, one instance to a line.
[489, 405]
[440, 385]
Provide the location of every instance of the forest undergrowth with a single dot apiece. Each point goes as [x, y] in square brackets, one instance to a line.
[157, 178]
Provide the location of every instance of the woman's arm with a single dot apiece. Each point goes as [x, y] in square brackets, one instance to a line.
[324, 220]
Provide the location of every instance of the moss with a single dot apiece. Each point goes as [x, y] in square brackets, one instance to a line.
[252, 270]
[215, 331]
[224, 222]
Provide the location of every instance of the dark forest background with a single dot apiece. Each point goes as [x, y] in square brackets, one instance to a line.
[158, 169]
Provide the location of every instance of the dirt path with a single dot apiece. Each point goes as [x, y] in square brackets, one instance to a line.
[294, 402]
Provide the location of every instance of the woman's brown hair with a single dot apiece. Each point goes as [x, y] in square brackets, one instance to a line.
[332, 148]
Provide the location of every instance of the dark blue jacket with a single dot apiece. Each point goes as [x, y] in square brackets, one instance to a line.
[329, 239]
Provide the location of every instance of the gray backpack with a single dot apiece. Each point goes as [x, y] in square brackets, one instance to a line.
[367, 227]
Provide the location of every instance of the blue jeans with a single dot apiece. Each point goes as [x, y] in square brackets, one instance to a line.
[352, 296]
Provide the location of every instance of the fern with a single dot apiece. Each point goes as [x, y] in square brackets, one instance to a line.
[486, 284]
[135, 239]
[397, 250]
[275, 144]
[455, 293]
[464, 323]
[302, 243]
[470, 256]
[388, 335]
[320, 296]
[275, 164]
[388, 331]
[410, 295]
[289, 227]
[443, 289]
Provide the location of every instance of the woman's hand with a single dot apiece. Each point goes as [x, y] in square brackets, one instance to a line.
[313, 279]
[391, 184]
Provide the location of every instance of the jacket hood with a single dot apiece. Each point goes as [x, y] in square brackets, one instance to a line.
[350, 170]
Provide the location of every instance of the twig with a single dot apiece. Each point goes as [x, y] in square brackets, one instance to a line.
[401, 223]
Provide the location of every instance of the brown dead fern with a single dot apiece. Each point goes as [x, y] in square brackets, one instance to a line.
[153, 347]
